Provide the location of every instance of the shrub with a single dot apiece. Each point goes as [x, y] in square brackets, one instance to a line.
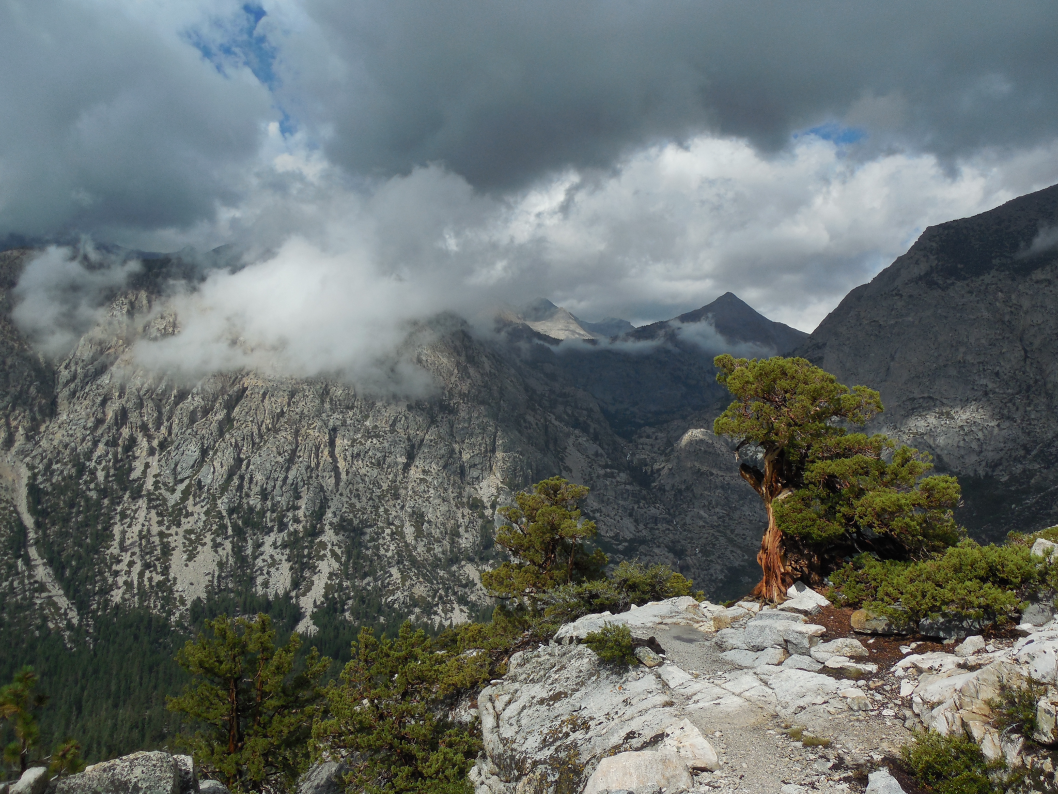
[970, 579]
[630, 583]
[950, 764]
[389, 711]
[613, 643]
[1015, 709]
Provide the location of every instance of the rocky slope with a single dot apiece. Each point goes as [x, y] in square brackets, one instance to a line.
[960, 335]
[745, 699]
[121, 486]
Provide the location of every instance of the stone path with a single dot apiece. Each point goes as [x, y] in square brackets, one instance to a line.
[782, 704]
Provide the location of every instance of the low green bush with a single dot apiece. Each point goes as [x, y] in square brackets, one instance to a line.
[1015, 709]
[968, 579]
[950, 764]
[613, 643]
[630, 583]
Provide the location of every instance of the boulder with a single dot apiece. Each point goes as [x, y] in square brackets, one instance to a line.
[881, 782]
[188, 773]
[849, 668]
[839, 647]
[950, 626]
[35, 780]
[729, 639]
[1043, 548]
[754, 659]
[641, 771]
[143, 771]
[648, 657]
[323, 777]
[215, 787]
[686, 741]
[1038, 613]
[1047, 719]
[869, 622]
[559, 710]
[760, 635]
[641, 621]
[804, 600]
[802, 662]
[970, 646]
[856, 699]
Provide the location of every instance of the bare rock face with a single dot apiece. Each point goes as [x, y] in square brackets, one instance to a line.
[144, 771]
[961, 338]
[122, 486]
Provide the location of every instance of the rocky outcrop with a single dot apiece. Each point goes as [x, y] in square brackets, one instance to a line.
[143, 771]
[561, 720]
[961, 338]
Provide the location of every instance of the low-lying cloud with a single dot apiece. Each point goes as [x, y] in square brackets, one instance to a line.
[62, 293]
[335, 273]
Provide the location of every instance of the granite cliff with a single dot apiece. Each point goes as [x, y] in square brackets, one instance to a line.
[123, 487]
[960, 336]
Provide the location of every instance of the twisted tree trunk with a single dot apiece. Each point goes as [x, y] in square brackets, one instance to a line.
[770, 485]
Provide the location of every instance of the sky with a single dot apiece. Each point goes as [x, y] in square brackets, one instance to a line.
[377, 162]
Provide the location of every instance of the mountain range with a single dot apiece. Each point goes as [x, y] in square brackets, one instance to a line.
[119, 486]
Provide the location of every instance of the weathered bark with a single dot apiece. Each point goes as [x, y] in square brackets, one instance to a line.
[774, 580]
[770, 484]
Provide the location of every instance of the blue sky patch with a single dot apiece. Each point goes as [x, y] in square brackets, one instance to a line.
[239, 43]
[832, 131]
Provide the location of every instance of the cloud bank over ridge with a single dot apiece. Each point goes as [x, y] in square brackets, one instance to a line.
[379, 162]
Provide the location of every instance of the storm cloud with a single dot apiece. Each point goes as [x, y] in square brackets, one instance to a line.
[378, 162]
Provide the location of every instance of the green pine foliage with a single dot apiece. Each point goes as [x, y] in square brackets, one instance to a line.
[951, 764]
[254, 708]
[968, 579]
[387, 715]
[20, 703]
[865, 488]
[613, 643]
[546, 535]
[630, 583]
[19, 700]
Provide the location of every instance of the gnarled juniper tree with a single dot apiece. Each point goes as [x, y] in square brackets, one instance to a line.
[823, 487]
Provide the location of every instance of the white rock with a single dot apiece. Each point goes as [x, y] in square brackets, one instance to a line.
[850, 667]
[802, 662]
[34, 780]
[731, 639]
[560, 698]
[933, 662]
[795, 689]
[686, 741]
[744, 658]
[768, 614]
[845, 647]
[970, 646]
[752, 607]
[804, 599]
[760, 635]
[1043, 548]
[881, 782]
[679, 610]
[640, 771]
[907, 687]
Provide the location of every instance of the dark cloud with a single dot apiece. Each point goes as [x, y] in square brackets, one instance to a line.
[501, 92]
[109, 123]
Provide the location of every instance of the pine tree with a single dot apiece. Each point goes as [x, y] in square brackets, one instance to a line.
[387, 716]
[545, 532]
[18, 701]
[822, 485]
[256, 710]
